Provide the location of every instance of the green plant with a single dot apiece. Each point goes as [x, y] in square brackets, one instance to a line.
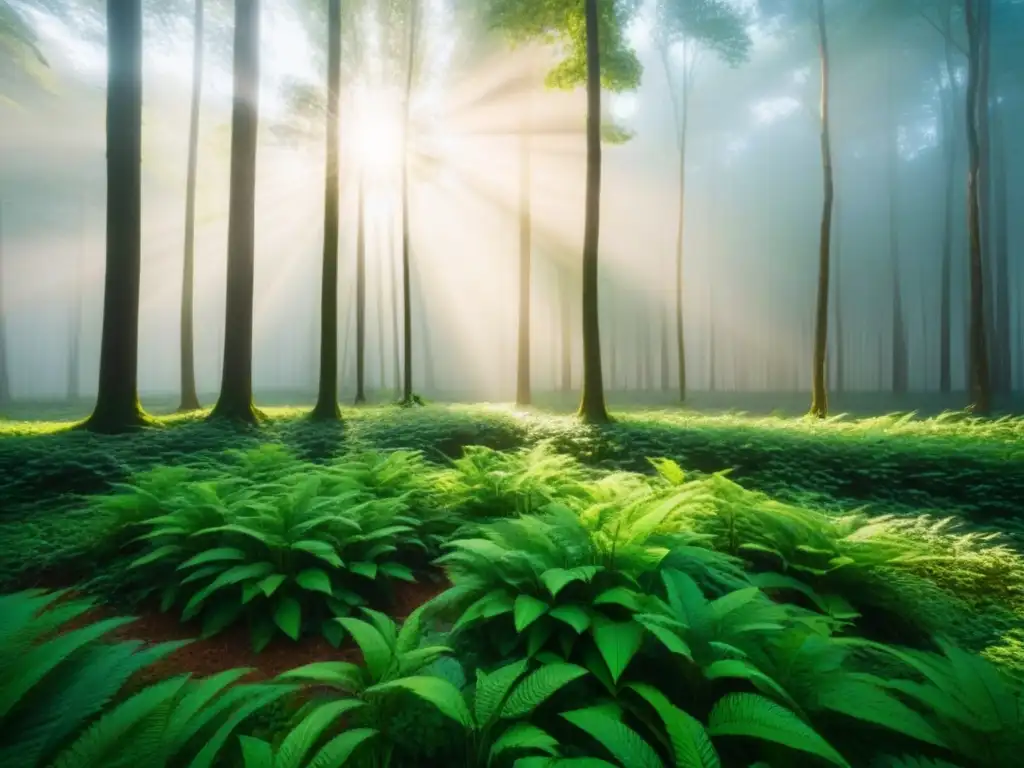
[62, 700]
[283, 560]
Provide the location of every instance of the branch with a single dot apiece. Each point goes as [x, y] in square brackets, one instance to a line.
[946, 35]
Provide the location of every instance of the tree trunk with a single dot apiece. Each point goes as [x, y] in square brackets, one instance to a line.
[839, 382]
[407, 394]
[592, 405]
[5, 381]
[663, 338]
[1001, 357]
[945, 297]
[819, 390]
[977, 18]
[382, 356]
[565, 304]
[74, 388]
[189, 396]
[117, 401]
[680, 335]
[360, 295]
[327, 392]
[523, 394]
[899, 332]
[396, 340]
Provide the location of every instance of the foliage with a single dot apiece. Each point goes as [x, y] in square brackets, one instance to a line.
[715, 25]
[65, 701]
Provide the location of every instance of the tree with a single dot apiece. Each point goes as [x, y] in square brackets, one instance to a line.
[360, 293]
[189, 396]
[899, 333]
[117, 401]
[408, 398]
[327, 398]
[977, 15]
[523, 394]
[694, 27]
[5, 380]
[235, 401]
[819, 390]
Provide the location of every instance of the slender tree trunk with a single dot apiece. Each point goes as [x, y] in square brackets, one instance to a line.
[1001, 358]
[565, 304]
[395, 333]
[117, 401]
[899, 332]
[946, 298]
[839, 382]
[189, 396]
[523, 394]
[819, 390]
[977, 17]
[5, 381]
[985, 185]
[360, 295]
[327, 393]
[74, 387]
[407, 394]
[592, 405]
[663, 339]
[382, 356]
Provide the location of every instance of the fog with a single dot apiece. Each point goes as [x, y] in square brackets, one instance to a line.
[752, 207]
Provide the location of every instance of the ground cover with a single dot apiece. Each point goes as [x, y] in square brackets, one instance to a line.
[555, 565]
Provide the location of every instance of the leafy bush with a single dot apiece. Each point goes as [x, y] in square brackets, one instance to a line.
[64, 704]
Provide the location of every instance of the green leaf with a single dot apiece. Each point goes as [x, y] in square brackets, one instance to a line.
[333, 632]
[256, 753]
[557, 579]
[338, 750]
[623, 742]
[301, 738]
[691, 746]
[376, 650]
[320, 549]
[575, 616]
[492, 688]
[397, 571]
[737, 668]
[340, 674]
[269, 584]
[231, 576]
[213, 555]
[523, 736]
[367, 570]
[672, 642]
[157, 554]
[618, 643]
[754, 716]
[288, 616]
[538, 687]
[862, 700]
[527, 610]
[627, 598]
[435, 690]
[314, 580]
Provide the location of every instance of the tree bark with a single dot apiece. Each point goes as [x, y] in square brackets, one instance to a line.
[899, 333]
[382, 351]
[189, 396]
[117, 401]
[327, 392]
[523, 394]
[592, 404]
[407, 393]
[945, 295]
[360, 295]
[1001, 357]
[977, 18]
[819, 390]
[395, 333]
[839, 382]
[5, 379]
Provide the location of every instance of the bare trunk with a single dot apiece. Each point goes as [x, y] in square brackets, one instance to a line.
[5, 381]
[360, 295]
[592, 404]
[381, 349]
[327, 397]
[819, 390]
[1001, 358]
[117, 401]
[189, 396]
[839, 381]
[523, 394]
[946, 298]
[407, 394]
[899, 333]
[977, 17]
[74, 387]
[396, 340]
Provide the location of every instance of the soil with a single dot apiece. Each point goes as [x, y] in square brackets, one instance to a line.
[232, 649]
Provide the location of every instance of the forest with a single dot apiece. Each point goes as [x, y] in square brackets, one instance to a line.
[511, 383]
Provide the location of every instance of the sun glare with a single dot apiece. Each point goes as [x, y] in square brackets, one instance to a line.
[377, 132]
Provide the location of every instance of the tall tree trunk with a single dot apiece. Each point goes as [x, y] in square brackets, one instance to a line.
[565, 305]
[5, 380]
[382, 356]
[189, 396]
[407, 394]
[1001, 357]
[945, 296]
[977, 18]
[327, 392]
[592, 404]
[396, 340]
[117, 400]
[523, 394]
[899, 332]
[819, 390]
[681, 218]
[663, 340]
[74, 388]
[360, 295]
[839, 382]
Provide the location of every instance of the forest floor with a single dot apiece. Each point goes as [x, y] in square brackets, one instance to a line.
[53, 534]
